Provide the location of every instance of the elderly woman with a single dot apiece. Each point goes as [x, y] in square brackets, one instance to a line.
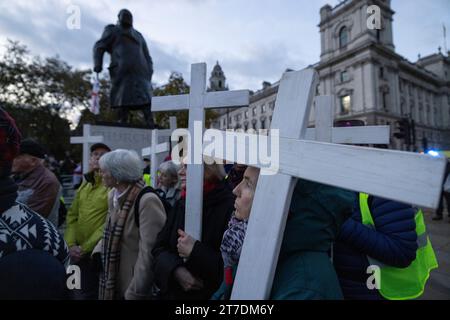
[168, 186]
[126, 245]
[187, 268]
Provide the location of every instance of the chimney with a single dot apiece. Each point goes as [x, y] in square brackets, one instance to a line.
[266, 85]
[325, 12]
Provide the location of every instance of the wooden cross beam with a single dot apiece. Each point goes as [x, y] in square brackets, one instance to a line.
[196, 102]
[325, 132]
[156, 148]
[153, 151]
[86, 140]
[396, 175]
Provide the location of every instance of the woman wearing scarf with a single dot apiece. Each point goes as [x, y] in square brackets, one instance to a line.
[126, 245]
[233, 238]
[304, 270]
[186, 268]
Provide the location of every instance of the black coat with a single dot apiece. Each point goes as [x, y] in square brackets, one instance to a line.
[205, 261]
[131, 67]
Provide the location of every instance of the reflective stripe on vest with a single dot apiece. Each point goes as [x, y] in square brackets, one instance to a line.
[403, 283]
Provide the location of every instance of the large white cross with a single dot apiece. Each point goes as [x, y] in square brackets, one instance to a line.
[86, 140]
[156, 148]
[196, 102]
[396, 175]
[325, 132]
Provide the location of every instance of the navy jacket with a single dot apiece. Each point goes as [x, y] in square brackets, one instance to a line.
[394, 242]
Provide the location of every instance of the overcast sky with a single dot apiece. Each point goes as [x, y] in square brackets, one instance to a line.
[254, 40]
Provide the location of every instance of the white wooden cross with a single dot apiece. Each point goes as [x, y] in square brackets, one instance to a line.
[86, 140]
[196, 102]
[156, 148]
[325, 132]
[402, 176]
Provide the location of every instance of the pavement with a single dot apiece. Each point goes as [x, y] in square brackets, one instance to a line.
[438, 285]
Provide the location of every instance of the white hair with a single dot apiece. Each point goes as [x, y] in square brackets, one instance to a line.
[169, 168]
[124, 165]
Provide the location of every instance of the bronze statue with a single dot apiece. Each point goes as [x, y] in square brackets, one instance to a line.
[131, 67]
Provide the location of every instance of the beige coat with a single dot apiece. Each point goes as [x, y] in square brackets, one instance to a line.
[135, 275]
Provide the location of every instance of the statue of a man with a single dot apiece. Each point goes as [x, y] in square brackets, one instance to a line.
[131, 67]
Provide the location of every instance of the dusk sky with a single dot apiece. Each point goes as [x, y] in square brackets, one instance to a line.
[254, 40]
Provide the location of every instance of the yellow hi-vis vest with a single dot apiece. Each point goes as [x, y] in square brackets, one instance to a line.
[403, 283]
[147, 179]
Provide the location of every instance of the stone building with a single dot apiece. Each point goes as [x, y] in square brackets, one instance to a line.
[370, 81]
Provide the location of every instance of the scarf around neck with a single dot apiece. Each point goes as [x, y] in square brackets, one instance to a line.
[112, 245]
[232, 241]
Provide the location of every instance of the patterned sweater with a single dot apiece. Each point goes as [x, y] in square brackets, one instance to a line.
[22, 229]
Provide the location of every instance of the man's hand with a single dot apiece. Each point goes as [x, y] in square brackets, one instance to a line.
[186, 280]
[185, 244]
[75, 253]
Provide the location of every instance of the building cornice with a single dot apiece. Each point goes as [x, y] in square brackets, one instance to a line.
[336, 11]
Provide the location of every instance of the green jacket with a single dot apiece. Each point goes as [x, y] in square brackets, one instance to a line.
[86, 217]
[304, 269]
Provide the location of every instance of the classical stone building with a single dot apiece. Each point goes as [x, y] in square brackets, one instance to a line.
[370, 81]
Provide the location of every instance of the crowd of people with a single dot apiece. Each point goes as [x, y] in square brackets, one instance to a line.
[128, 238]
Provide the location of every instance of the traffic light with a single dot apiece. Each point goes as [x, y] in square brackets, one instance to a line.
[403, 131]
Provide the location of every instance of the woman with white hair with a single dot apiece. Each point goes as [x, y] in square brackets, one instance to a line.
[127, 243]
[168, 186]
[188, 268]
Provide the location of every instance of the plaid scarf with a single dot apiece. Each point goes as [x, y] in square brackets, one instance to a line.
[111, 245]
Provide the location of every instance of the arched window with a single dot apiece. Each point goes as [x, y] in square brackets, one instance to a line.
[343, 37]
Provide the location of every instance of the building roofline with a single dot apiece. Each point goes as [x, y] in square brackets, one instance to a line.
[414, 67]
[346, 4]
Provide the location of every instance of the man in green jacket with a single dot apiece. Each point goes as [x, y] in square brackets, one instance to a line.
[85, 223]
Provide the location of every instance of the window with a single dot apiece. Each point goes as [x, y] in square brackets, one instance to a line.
[346, 104]
[272, 105]
[263, 108]
[384, 100]
[343, 37]
[344, 76]
[224, 122]
[263, 124]
[420, 112]
[254, 111]
[246, 114]
[381, 72]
